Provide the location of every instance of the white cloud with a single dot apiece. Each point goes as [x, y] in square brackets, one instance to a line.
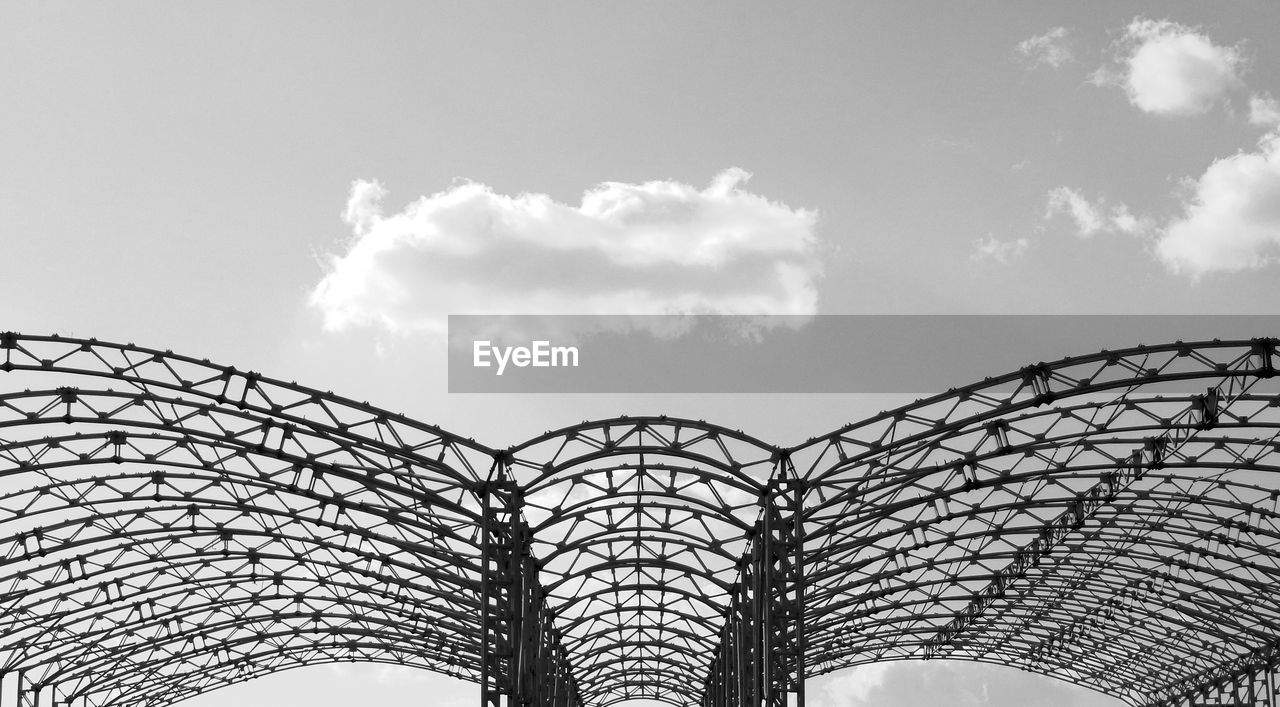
[1264, 110]
[1003, 252]
[853, 687]
[1092, 218]
[1050, 48]
[1231, 220]
[364, 206]
[653, 248]
[1068, 201]
[1121, 220]
[1171, 69]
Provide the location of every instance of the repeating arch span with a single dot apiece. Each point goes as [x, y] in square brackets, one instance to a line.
[169, 525]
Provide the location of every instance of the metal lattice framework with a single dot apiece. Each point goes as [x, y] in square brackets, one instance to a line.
[168, 526]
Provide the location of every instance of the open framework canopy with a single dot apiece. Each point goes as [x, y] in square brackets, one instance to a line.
[168, 526]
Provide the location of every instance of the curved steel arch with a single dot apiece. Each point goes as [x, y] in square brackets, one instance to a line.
[1087, 519]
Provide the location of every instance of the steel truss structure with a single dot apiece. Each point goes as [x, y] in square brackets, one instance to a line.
[168, 526]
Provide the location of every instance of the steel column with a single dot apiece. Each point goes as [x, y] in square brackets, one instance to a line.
[760, 661]
[524, 664]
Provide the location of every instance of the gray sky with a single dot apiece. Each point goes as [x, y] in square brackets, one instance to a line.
[305, 189]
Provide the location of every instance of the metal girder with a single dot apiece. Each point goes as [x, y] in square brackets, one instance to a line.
[168, 526]
[1238, 683]
[524, 662]
[760, 657]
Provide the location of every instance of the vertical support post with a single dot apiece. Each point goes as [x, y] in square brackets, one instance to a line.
[499, 619]
[524, 662]
[760, 660]
[783, 544]
[28, 695]
[1256, 686]
[748, 647]
[527, 664]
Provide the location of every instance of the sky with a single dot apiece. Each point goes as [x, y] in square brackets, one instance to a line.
[307, 189]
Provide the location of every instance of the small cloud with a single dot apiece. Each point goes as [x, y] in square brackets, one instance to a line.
[1003, 252]
[1170, 69]
[1019, 166]
[1092, 218]
[660, 247]
[1231, 218]
[1122, 221]
[1064, 200]
[364, 206]
[945, 143]
[1264, 110]
[854, 686]
[1050, 49]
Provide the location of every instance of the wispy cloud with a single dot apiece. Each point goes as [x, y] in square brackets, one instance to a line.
[1231, 218]
[853, 688]
[1170, 69]
[1264, 110]
[950, 682]
[1064, 200]
[1050, 49]
[652, 248]
[1094, 217]
[1003, 252]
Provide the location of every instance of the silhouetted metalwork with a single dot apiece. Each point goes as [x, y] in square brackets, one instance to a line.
[168, 526]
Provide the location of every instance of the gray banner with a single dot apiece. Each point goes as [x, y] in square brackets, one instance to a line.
[820, 354]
